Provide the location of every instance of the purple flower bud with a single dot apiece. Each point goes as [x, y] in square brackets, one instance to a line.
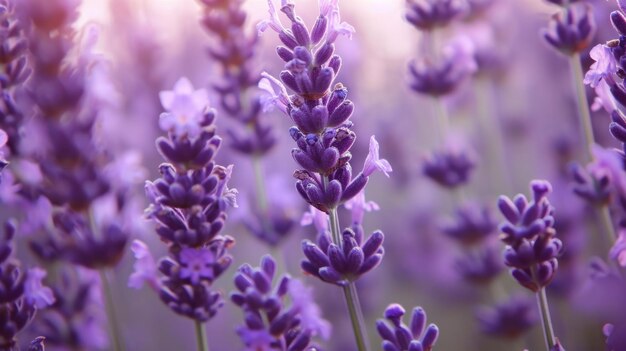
[571, 31]
[508, 319]
[397, 336]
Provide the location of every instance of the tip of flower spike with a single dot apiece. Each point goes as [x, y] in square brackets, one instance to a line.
[540, 188]
[394, 311]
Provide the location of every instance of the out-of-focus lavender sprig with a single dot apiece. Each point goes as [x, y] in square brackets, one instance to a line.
[188, 204]
[507, 319]
[76, 319]
[323, 136]
[269, 322]
[451, 167]
[397, 336]
[234, 49]
[14, 72]
[72, 167]
[570, 31]
[532, 249]
[21, 292]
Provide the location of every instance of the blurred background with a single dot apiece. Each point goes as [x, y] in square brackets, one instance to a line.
[521, 94]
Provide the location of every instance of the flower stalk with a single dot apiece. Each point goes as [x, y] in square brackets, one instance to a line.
[114, 330]
[546, 322]
[583, 106]
[201, 337]
[350, 293]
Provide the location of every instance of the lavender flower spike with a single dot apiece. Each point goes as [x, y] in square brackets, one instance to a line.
[397, 336]
[21, 292]
[323, 134]
[572, 30]
[188, 205]
[532, 249]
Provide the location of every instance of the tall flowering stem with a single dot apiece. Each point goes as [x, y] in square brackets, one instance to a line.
[234, 48]
[77, 177]
[321, 113]
[201, 337]
[350, 293]
[546, 322]
[188, 204]
[570, 31]
[583, 106]
[532, 249]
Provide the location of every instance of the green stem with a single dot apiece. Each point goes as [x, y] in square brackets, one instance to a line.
[110, 310]
[356, 315]
[349, 291]
[583, 106]
[201, 338]
[546, 323]
[261, 193]
[606, 224]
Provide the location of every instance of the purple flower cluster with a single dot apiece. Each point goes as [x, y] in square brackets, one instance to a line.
[188, 204]
[270, 323]
[399, 337]
[21, 292]
[571, 30]
[14, 72]
[234, 50]
[321, 115]
[532, 249]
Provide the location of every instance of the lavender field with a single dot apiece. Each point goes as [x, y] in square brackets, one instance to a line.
[321, 175]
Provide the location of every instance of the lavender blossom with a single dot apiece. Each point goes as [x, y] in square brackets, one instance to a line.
[442, 74]
[323, 135]
[449, 168]
[481, 266]
[397, 336]
[270, 323]
[21, 292]
[323, 131]
[343, 262]
[602, 180]
[188, 204]
[430, 14]
[508, 319]
[532, 249]
[234, 50]
[14, 72]
[472, 223]
[76, 319]
[72, 165]
[572, 30]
